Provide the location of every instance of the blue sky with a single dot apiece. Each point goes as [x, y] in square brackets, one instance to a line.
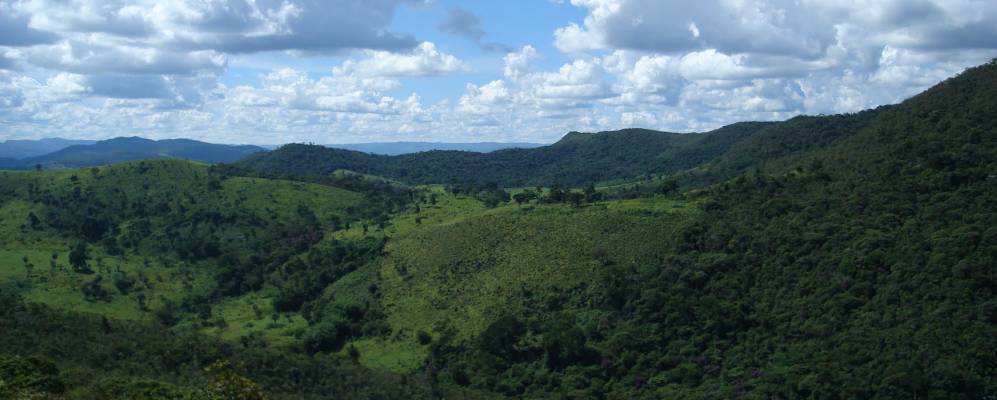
[346, 71]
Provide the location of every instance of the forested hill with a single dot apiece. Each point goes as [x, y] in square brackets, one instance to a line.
[576, 159]
[831, 257]
[582, 158]
[134, 148]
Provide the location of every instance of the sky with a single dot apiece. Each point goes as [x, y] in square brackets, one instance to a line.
[342, 71]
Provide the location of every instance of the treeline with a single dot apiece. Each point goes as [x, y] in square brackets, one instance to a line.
[581, 159]
[576, 160]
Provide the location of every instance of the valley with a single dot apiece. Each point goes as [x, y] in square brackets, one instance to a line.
[845, 256]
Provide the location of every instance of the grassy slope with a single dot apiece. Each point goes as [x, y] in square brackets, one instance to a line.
[175, 181]
[465, 266]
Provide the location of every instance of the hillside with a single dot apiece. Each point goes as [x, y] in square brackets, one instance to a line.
[837, 265]
[576, 159]
[583, 158]
[860, 269]
[131, 149]
[17, 149]
[163, 243]
[847, 256]
[398, 148]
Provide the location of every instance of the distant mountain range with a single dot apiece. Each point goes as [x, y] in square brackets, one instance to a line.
[66, 153]
[130, 149]
[398, 148]
[18, 149]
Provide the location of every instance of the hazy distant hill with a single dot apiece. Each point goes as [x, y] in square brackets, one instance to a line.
[396, 148]
[33, 148]
[134, 148]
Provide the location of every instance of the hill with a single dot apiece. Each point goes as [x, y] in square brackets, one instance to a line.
[397, 148]
[113, 255]
[857, 267]
[584, 158]
[845, 256]
[576, 159]
[17, 149]
[130, 149]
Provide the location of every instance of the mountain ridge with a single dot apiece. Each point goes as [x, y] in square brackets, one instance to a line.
[407, 147]
[136, 148]
[24, 148]
[577, 158]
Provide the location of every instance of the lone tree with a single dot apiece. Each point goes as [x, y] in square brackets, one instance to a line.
[78, 258]
[575, 198]
[33, 221]
[524, 197]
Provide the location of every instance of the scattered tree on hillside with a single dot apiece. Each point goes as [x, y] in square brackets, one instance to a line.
[78, 258]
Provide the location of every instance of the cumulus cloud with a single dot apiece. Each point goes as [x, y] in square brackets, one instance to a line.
[424, 60]
[336, 71]
[484, 99]
[228, 26]
[720, 61]
[172, 54]
[573, 85]
[89, 57]
[790, 28]
[518, 63]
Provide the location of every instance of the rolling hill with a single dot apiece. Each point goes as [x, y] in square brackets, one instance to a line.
[860, 268]
[847, 256]
[130, 149]
[398, 148]
[583, 158]
[576, 159]
[17, 149]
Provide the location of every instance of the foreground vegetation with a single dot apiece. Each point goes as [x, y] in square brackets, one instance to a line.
[823, 257]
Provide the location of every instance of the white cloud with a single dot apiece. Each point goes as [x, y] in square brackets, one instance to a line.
[67, 83]
[518, 63]
[485, 98]
[334, 71]
[576, 84]
[424, 60]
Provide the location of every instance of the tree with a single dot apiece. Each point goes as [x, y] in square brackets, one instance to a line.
[353, 352]
[524, 197]
[575, 198]
[78, 258]
[28, 266]
[501, 336]
[94, 291]
[669, 186]
[556, 195]
[591, 195]
[33, 221]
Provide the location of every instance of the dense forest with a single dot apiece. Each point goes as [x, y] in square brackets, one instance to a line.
[830, 257]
